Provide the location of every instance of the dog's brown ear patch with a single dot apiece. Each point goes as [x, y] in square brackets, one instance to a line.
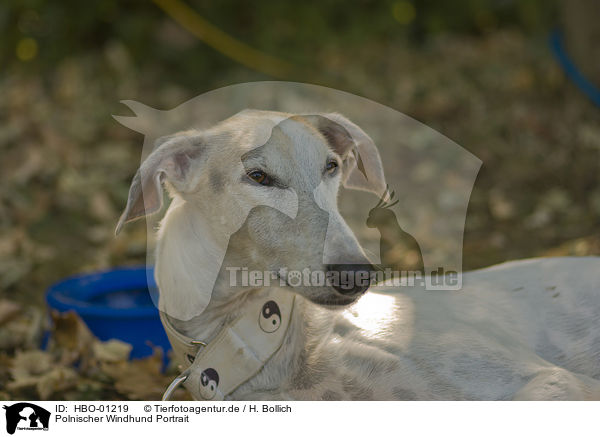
[338, 138]
[363, 169]
[172, 160]
[336, 135]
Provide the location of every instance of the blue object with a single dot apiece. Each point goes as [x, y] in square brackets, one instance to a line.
[571, 70]
[115, 303]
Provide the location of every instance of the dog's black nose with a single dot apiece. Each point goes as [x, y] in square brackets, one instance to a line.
[350, 279]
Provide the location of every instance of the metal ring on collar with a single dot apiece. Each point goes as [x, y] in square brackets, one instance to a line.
[173, 386]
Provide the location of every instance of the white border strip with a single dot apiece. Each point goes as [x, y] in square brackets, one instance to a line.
[363, 419]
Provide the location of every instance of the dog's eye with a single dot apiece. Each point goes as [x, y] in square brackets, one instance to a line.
[260, 177]
[331, 167]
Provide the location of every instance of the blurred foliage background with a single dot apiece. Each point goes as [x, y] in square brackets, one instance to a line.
[479, 72]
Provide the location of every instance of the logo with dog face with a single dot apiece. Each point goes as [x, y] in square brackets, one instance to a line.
[270, 317]
[209, 381]
[26, 416]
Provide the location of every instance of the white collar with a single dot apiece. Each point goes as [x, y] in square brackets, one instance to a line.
[237, 353]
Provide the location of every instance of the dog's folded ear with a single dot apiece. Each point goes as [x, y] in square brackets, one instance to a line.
[174, 160]
[363, 169]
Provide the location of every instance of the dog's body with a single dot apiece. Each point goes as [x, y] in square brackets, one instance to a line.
[522, 330]
[527, 330]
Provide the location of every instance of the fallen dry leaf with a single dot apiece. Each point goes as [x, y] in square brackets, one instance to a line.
[8, 310]
[56, 380]
[32, 363]
[71, 340]
[35, 369]
[141, 379]
[111, 351]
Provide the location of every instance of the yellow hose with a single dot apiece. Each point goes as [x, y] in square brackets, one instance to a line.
[224, 43]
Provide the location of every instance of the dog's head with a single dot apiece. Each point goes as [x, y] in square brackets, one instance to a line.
[257, 192]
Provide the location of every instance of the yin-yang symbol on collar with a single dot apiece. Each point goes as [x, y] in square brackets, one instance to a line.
[209, 381]
[270, 317]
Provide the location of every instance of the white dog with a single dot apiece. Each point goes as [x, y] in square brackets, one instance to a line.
[259, 192]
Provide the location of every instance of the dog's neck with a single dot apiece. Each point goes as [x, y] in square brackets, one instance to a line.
[308, 329]
[309, 323]
[191, 266]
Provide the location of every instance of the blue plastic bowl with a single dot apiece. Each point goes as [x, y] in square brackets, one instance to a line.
[114, 304]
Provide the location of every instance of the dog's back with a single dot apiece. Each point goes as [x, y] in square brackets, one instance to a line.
[524, 330]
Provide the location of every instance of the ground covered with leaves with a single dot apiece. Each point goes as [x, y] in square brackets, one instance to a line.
[74, 364]
[66, 167]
